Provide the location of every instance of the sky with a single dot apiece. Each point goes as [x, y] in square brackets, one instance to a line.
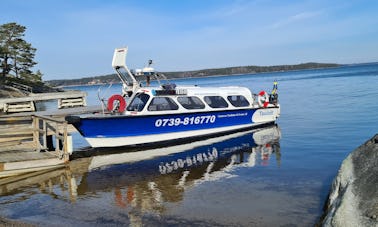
[77, 38]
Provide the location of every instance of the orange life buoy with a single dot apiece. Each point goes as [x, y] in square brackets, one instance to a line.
[120, 99]
[263, 99]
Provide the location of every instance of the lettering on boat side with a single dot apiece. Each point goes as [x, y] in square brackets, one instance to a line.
[199, 158]
[263, 113]
[209, 119]
[232, 115]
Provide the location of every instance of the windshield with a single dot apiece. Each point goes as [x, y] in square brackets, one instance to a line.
[125, 76]
[139, 102]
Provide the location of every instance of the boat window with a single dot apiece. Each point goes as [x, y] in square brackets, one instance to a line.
[191, 102]
[138, 102]
[216, 101]
[238, 100]
[162, 103]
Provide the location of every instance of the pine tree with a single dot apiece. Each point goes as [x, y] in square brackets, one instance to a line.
[16, 55]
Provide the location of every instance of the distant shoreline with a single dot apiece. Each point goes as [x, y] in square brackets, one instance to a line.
[218, 72]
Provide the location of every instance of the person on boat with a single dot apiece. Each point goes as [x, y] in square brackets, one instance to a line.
[148, 79]
[273, 98]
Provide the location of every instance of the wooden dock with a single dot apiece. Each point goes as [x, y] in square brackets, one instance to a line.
[36, 141]
[23, 139]
[27, 103]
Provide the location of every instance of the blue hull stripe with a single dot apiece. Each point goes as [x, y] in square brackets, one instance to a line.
[121, 126]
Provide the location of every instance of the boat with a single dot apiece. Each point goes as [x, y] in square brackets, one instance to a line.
[166, 112]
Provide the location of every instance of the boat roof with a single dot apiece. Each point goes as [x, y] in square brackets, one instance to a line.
[197, 91]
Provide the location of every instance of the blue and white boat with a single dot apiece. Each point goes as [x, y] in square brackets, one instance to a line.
[167, 112]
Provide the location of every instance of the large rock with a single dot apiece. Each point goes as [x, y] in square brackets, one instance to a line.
[353, 200]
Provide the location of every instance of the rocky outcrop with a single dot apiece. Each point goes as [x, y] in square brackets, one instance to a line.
[13, 223]
[353, 200]
[7, 91]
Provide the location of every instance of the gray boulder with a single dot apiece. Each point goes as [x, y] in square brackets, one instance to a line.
[353, 200]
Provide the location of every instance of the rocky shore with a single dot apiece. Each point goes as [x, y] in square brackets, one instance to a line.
[7, 92]
[353, 200]
[13, 223]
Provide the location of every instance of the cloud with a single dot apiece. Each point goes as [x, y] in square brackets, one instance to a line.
[296, 18]
[234, 9]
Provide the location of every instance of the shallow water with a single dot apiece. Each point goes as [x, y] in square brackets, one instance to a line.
[276, 176]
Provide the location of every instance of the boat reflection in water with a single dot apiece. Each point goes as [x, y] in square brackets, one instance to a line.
[145, 181]
[185, 164]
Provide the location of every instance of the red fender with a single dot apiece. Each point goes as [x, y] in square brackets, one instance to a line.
[122, 103]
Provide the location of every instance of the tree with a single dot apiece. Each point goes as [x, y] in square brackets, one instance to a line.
[16, 55]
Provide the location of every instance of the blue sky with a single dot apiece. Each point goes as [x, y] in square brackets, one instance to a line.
[76, 39]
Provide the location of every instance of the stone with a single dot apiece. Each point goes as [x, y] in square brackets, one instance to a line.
[353, 200]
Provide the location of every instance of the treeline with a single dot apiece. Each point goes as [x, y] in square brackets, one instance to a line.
[248, 70]
[112, 78]
[17, 60]
[105, 79]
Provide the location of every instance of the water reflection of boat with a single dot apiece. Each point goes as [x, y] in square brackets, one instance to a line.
[145, 182]
[190, 161]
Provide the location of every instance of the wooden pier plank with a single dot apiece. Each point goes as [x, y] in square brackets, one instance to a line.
[19, 156]
[15, 162]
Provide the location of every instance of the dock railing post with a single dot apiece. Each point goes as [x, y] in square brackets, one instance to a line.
[57, 144]
[44, 145]
[37, 145]
[66, 156]
[59, 103]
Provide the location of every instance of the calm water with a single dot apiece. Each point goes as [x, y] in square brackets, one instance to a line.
[276, 176]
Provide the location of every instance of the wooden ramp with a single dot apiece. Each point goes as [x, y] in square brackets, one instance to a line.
[26, 104]
[23, 160]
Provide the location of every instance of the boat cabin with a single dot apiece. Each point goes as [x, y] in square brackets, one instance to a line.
[169, 99]
[172, 99]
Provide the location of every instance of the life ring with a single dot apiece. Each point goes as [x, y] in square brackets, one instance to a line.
[120, 99]
[263, 99]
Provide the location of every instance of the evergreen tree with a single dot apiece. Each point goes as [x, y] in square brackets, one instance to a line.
[16, 55]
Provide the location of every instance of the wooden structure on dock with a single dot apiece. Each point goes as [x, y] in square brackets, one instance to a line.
[27, 103]
[35, 141]
[27, 144]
